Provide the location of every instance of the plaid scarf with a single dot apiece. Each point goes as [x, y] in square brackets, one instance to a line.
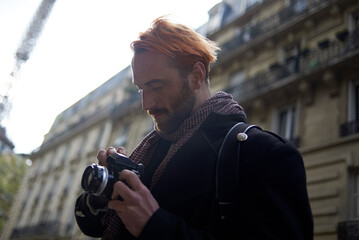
[220, 102]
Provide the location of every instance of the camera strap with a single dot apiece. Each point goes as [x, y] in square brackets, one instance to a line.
[227, 168]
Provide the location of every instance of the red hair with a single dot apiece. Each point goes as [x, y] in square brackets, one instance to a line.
[179, 42]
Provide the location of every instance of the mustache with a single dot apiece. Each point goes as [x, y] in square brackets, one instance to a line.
[156, 111]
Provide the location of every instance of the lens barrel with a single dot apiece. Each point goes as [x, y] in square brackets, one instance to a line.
[94, 179]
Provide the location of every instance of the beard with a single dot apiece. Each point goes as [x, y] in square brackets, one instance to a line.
[182, 108]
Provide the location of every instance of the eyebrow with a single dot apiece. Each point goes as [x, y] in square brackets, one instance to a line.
[153, 81]
[157, 80]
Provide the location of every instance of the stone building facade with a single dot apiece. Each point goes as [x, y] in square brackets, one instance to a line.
[293, 66]
[6, 144]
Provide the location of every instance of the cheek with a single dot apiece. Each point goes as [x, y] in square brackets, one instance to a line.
[176, 103]
[149, 100]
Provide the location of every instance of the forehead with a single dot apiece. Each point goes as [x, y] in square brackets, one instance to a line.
[147, 66]
[147, 60]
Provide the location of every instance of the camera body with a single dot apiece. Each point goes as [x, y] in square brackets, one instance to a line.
[99, 180]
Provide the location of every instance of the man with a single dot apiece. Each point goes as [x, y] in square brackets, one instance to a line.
[176, 196]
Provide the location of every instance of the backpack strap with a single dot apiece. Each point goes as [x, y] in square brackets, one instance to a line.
[228, 166]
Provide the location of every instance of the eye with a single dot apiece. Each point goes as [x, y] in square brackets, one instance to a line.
[156, 85]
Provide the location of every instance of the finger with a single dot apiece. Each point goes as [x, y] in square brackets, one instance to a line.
[101, 157]
[115, 205]
[110, 150]
[121, 191]
[122, 150]
[131, 178]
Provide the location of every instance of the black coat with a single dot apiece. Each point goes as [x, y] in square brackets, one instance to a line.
[272, 198]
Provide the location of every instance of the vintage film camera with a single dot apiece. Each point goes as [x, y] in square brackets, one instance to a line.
[100, 180]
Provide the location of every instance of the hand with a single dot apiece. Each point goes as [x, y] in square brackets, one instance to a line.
[138, 204]
[99, 202]
[103, 154]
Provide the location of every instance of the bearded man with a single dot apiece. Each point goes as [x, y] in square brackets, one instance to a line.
[176, 196]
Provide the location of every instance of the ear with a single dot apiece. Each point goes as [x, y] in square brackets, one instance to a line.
[198, 75]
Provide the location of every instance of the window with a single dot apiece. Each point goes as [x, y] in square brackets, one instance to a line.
[82, 145]
[354, 21]
[52, 159]
[68, 184]
[289, 57]
[53, 189]
[150, 126]
[99, 137]
[352, 125]
[121, 139]
[66, 153]
[299, 6]
[215, 20]
[70, 224]
[235, 81]
[354, 206]
[251, 3]
[354, 102]
[284, 122]
[237, 78]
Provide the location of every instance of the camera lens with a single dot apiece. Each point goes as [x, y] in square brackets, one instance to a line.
[89, 179]
[94, 179]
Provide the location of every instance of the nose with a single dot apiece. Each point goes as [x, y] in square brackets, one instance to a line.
[148, 101]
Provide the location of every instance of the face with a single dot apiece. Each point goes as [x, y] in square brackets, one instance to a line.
[166, 95]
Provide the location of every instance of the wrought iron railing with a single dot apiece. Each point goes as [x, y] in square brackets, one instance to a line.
[308, 60]
[251, 31]
[349, 128]
[126, 105]
[42, 229]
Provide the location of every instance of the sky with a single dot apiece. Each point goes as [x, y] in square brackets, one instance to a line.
[83, 44]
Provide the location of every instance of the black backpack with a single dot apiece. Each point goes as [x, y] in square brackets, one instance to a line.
[227, 167]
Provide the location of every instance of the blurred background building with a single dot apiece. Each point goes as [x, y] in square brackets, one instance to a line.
[292, 65]
[6, 145]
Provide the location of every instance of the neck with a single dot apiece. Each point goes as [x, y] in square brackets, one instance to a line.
[202, 95]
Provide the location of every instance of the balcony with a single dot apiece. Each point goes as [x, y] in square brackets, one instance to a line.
[349, 128]
[270, 26]
[348, 230]
[307, 62]
[73, 128]
[125, 106]
[47, 230]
